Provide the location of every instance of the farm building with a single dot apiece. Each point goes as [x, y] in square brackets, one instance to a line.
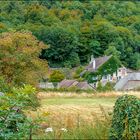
[130, 82]
[73, 83]
[84, 85]
[67, 83]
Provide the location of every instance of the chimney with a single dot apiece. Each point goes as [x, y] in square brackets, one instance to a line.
[93, 62]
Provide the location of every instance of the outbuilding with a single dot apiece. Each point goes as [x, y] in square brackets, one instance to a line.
[129, 82]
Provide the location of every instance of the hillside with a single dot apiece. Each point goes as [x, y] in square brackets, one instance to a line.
[75, 30]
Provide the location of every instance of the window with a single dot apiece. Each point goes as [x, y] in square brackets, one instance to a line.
[94, 78]
[104, 77]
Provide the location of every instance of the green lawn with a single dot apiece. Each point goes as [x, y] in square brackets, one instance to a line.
[79, 101]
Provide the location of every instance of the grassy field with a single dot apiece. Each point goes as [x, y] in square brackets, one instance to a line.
[79, 101]
[71, 111]
[70, 105]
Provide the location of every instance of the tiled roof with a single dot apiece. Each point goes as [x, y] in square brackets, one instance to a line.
[98, 62]
[67, 83]
[70, 83]
[84, 85]
[131, 77]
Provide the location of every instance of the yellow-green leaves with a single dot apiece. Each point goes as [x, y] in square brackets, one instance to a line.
[19, 57]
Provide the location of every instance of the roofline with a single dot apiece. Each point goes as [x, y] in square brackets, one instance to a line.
[105, 61]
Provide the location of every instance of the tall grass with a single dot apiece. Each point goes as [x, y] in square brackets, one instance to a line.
[42, 95]
[80, 123]
[77, 128]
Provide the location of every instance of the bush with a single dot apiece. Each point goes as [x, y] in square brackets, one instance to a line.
[77, 72]
[108, 87]
[26, 95]
[99, 87]
[56, 76]
[13, 122]
[126, 118]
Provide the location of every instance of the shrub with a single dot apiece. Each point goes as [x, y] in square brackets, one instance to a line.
[13, 122]
[76, 74]
[108, 87]
[126, 118]
[99, 87]
[56, 76]
[26, 95]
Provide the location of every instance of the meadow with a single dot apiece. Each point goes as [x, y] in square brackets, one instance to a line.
[76, 116]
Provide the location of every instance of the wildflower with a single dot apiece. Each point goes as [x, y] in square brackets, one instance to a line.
[64, 129]
[49, 129]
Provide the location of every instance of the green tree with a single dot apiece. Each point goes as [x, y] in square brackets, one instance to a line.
[81, 28]
[19, 58]
[77, 72]
[112, 51]
[135, 61]
[62, 46]
[56, 76]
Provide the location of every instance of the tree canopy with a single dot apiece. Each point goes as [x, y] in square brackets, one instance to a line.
[75, 30]
[19, 57]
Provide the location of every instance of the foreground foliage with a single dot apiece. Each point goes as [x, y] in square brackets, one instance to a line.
[126, 118]
[14, 124]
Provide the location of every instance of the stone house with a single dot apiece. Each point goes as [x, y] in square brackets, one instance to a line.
[129, 82]
[96, 63]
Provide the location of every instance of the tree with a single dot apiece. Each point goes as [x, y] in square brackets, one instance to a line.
[56, 76]
[77, 72]
[96, 49]
[62, 45]
[81, 28]
[112, 51]
[135, 61]
[19, 58]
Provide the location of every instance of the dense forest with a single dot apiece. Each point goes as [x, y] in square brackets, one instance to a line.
[74, 30]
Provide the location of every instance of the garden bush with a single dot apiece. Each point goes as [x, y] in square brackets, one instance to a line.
[126, 118]
[56, 76]
[14, 124]
[108, 87]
